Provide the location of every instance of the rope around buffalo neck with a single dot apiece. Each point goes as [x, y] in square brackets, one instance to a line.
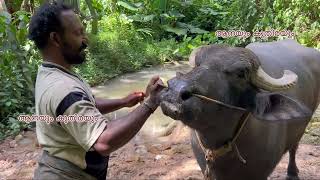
[212, 154]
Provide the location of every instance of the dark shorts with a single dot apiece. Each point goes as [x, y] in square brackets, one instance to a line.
[54, 168]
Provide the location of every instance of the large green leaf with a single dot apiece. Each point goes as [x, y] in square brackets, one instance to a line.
[6, 17]
[141, 18]
[158, 6]
[212, 12]
[166, 15]
[177, 30]
[8, 103]
[130, 6]
[191, 28]
[147, 31]
[196, 30]
[176, 14]
[172, 15]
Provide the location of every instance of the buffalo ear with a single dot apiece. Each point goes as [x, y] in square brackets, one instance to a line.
[275, 106]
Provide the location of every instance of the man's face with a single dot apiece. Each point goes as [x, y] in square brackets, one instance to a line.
[74, 38]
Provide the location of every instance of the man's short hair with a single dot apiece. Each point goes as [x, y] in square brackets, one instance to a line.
[46, 20]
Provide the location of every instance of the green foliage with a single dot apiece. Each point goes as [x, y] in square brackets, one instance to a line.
[130, 6]
[172, 29]
[17, 71]
[162, 17]
[299, 16]
[13, 5]
[118, 49]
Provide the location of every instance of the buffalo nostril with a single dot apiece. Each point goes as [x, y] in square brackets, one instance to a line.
[185, 95]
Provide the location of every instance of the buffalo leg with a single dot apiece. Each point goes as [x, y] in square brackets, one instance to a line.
[292, 171]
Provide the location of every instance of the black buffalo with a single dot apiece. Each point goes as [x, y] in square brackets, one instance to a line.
[261, 99]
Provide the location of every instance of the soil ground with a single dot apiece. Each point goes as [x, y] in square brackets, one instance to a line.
[147, 157]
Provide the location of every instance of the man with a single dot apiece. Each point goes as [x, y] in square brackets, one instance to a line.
[77, 150]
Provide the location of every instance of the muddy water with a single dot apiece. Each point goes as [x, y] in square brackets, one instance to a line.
[123, 85]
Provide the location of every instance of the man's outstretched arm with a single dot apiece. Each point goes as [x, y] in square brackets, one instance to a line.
[120, 131]
[109, 105]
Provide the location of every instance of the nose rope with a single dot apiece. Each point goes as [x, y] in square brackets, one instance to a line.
[218, 102]
[211, 100]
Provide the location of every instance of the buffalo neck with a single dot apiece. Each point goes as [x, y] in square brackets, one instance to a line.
[216, 137]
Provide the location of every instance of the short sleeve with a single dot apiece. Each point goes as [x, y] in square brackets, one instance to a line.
[84, 122]
[75, 112]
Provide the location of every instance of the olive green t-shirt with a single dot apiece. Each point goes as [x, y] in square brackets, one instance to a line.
[60, 93]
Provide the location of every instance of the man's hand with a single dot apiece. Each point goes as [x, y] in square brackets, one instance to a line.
[133, 98]
[110, 105]
[153, 89]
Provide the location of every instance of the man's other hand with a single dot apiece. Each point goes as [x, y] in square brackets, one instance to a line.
[133, 98]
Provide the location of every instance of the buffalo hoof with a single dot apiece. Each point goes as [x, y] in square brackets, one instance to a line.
[291, 177]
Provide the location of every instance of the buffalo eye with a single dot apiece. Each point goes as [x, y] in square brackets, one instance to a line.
[240, 69]
[241, 73]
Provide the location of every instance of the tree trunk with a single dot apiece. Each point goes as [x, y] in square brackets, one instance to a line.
[3, 6]
[32, 6]
[94, 23]
[94, 27]
[27, 5]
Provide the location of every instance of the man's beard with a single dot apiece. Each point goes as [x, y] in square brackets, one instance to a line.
[74, 58]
